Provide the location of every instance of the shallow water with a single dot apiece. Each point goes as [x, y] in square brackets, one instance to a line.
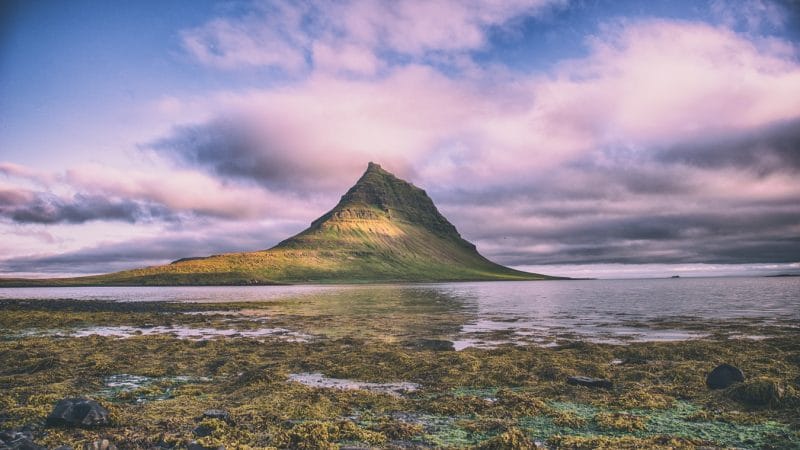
[196, 334]
[492, 313]
[319, 380]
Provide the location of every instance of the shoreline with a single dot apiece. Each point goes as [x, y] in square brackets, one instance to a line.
[468, 398]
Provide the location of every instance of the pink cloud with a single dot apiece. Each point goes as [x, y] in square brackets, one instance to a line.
[268, 36]
[643, 84]
[346, 58]
[418, 26]
[183, 190]
[662, 81]
[275, 33]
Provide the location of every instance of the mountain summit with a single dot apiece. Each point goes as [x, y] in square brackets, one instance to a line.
[383, 229]
[379, 205]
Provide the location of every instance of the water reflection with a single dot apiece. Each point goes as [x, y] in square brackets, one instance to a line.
[414, 314]
[488, 314]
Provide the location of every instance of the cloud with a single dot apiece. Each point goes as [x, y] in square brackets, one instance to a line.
[659, 82]
[181, 191]
[346, 59]
[105, 257]
[775, 147]
[670, 142]
[591, 214]
[320, 134]
[645, 84]
[295, 35]
[270, 35]
[22, 206]
[97, 192]
[751, 15]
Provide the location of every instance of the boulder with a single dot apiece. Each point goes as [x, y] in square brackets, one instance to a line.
[203, 430]
[437, 345]
[18, 440]
[219, 414]
[590, 382]
[758, 392]
[723, 376]
[78, 412]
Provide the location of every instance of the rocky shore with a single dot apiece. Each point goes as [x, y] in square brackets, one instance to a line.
[357, 388]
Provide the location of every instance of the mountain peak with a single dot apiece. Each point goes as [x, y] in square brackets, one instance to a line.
[380, 195]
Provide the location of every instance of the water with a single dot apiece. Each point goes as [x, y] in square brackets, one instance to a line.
[493, 313]
[213, 294]
[319, 380]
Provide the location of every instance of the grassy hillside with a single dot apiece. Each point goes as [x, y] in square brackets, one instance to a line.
[383, 229]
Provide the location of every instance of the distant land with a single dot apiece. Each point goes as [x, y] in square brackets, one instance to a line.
[383, 229]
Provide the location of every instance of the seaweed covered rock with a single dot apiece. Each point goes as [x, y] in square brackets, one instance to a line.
[723, 376]
[590, 382]
[199, 446]
[18, 440]
[78, 412]
[512, 439]
[758, 392]
[219, 414]
[437, 345]
[208, 427]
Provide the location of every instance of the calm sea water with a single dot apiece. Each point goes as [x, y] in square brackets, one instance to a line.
[536, 311]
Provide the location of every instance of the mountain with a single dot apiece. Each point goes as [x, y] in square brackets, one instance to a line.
[383, 229]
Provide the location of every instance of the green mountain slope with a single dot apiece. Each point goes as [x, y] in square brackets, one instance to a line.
[383, 229]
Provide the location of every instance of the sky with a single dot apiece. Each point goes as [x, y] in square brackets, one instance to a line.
[592, 138]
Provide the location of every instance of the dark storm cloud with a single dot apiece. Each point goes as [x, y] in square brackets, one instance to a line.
[22, 206]
[770, 149]
[563, 232]
[234, 149]
[711, 251]
[633, 207]
[718, 236]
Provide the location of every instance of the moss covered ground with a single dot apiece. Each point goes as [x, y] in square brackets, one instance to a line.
[509, 397]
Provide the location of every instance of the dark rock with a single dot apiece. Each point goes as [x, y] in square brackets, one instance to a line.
[22, 444]
[220, 414]
[12, 435]
[18, 440]
[202, 430]
[438, 345]
[78, 412]
[590, 382]
[758, 392]
[630, 360]
[197, 446]
[723, 376]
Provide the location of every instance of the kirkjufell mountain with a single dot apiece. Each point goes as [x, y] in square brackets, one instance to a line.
[383, 229]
